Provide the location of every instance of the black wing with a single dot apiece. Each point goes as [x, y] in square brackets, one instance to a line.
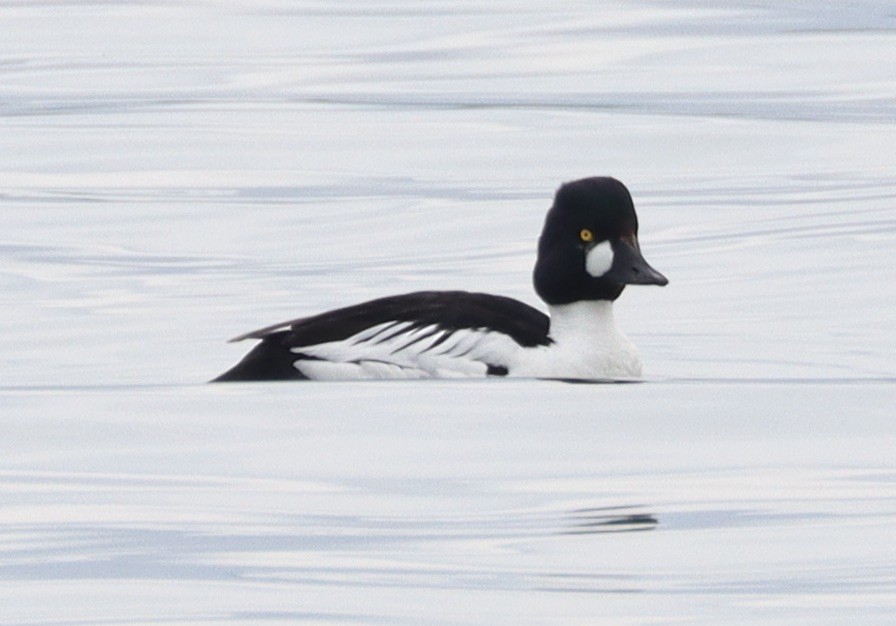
[446, 311]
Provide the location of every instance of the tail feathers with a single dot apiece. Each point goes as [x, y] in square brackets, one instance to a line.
[269, 360]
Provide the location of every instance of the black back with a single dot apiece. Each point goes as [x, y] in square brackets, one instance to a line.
[273, 358]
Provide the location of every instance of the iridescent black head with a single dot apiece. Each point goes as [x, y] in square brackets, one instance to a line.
[588, 248]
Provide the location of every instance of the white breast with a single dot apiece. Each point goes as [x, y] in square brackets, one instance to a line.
[587, 345]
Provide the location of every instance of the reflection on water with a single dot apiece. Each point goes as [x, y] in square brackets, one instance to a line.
[325, 493]
[88, 526]
[607, 520]
[173, 173]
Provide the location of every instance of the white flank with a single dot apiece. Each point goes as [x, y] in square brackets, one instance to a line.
[599, 259]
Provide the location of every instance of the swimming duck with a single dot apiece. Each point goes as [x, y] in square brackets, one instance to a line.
[587, 253]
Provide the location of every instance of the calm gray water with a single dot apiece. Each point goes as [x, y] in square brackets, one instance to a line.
[173, 174]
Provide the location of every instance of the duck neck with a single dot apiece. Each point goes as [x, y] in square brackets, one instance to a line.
[586, 320]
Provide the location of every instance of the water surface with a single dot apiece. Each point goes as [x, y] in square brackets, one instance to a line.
[174, 174]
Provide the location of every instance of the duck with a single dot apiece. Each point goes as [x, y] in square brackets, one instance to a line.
[588, 252]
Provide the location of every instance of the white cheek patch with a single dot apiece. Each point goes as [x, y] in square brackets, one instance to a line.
[599, 259]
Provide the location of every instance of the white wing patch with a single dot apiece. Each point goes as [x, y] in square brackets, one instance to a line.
[399, 350]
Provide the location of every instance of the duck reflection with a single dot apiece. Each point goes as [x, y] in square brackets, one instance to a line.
[613, 519]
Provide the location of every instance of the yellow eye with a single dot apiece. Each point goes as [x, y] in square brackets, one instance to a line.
[586, 235]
